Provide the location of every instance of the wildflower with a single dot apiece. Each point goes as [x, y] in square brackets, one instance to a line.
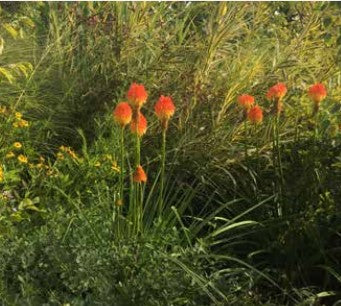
[17, 145]
[255, 114]
[317, 92]
[277, 91]
[60, 155]
[97, 164]
[137, 95]
[40, 165]
[123, 114]
[115, 167]
[41, 159]
[139, 175]
[139, 125]
[23, 159]
[18, 115]
[63, 148]
[246, 101]
[72, 154]
[164, 109]
[22, 123]
[10, 155]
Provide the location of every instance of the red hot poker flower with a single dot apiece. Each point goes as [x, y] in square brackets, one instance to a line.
[122, 113]
[139, 175]
[317, 92]
[164, 108]
[137, 95]
[255, 114]
[246, 101]
[139, 125]
[277, 91]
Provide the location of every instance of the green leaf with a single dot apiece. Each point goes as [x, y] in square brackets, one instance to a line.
[224, 229]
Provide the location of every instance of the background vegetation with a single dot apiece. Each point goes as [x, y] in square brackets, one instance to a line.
[64, 67]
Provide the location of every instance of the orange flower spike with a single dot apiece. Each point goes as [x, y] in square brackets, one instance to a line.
[277, 91]
[137, 95]
[164, 109]
[139, 175]
[255, 114]
[246, 101]
[317, 92]
[123, 114]
[139, 125]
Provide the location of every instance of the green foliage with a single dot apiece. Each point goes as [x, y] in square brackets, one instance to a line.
[243, 221]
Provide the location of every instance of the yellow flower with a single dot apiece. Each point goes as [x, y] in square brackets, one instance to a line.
[10, 155]
[60, 156]
[17, 145]
[18, 115]
[63, 148]
[41, 159]
[20, 123]
[97, 164]
[115, 167]
[72, 154]
[23, 159]
[23, 123]
[40, 165]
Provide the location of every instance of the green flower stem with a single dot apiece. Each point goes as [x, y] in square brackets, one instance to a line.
[138, 189]
[278, 164]
[162, 177]
[121, 196]
[122, 163]
[246, 134]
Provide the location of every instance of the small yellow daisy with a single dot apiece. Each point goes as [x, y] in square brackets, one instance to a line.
[23, 159]
[17, 145]
[18, 115]
[10, 155]
[23, 123]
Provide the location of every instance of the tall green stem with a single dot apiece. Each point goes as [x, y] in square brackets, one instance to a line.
[138, 189]
[278, 164]
[121, 196]
[162, 177]
[245, 140]
[122, 164]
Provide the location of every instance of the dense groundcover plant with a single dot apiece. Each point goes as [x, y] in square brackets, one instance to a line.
[170, 153]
